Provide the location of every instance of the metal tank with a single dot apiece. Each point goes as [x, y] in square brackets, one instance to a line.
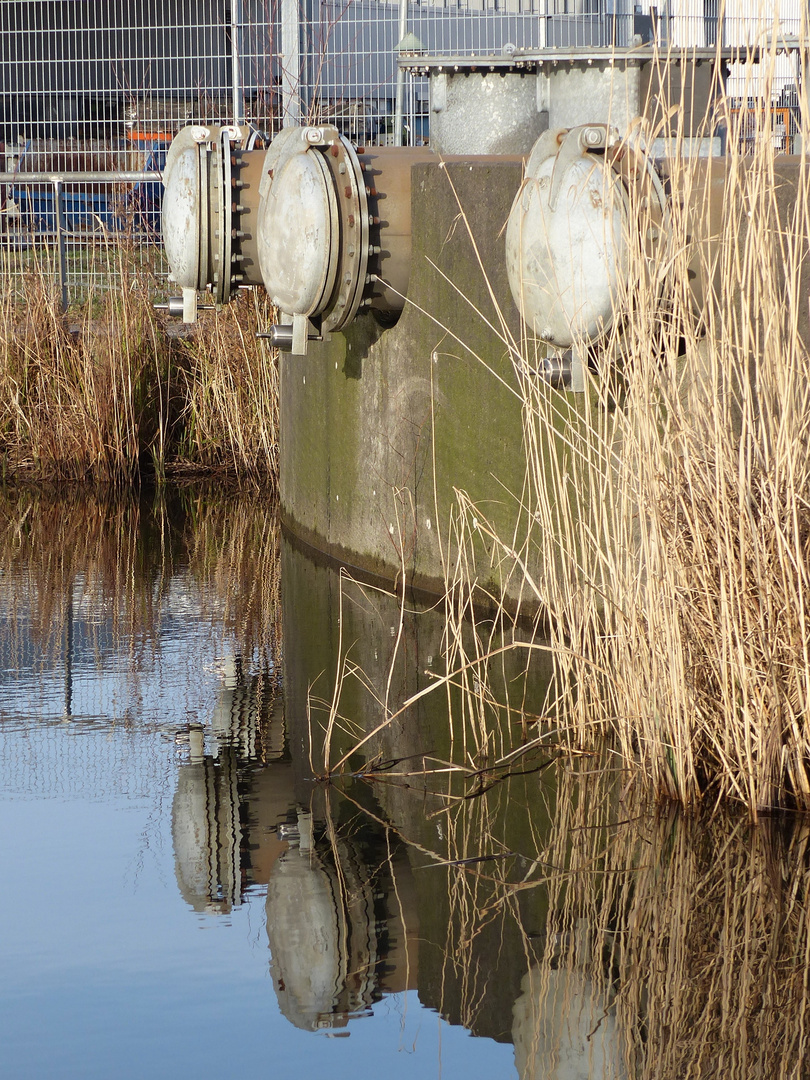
[323, 224]
[334, 228]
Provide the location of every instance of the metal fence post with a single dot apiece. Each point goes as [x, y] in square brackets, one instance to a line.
[236, 63]
[61, 240]
[399, 107]
[290, 63]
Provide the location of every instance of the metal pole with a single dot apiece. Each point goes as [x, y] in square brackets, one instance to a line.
[290, 64]
[61, 242]
[28, 179]
[399, 108]
[236, 63]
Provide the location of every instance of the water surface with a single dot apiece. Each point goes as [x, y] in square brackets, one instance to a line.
[187, 895]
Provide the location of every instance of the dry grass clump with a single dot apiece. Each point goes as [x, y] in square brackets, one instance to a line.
[706, 601]
[228, 380]
[86, 398]
[109, 394]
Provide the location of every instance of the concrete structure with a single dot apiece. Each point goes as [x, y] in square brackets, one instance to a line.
[380, 424]
[410, 285]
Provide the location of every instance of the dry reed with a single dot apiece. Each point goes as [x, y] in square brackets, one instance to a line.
[664, 528]
[108, 393]
[229, 385]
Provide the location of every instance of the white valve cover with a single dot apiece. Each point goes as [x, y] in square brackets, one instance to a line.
[566, 249]
[298, 235]
[181, 217]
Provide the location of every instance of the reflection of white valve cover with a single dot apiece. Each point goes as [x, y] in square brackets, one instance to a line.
[305, 929]
[562, 1030]
[321, 928]
[205, 835]
[566, 246]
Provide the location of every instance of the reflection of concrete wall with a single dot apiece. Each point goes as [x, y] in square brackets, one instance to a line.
[483, 1000]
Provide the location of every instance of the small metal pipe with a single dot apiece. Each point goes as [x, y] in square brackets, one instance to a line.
[280, 336]
[175, 307]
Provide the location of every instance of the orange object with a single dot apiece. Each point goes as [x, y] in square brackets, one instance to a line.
[135, 135]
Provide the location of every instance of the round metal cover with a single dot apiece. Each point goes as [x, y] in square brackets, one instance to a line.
[297, 251]
[566, 250]
[181, 218]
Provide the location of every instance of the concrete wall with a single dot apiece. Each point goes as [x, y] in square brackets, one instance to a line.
[369, 415]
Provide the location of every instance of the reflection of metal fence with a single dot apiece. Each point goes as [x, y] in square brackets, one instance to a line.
[91, 91]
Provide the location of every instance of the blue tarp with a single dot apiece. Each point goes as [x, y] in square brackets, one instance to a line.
[135, 207]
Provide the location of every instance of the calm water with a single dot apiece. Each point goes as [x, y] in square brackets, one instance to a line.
[185, 896]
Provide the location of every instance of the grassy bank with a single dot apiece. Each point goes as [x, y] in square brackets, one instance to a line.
[111, 393]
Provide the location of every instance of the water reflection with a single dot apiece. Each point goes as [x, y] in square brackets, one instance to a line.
[526, 896]
[339, 923]
[564, 1025]
[224, 814]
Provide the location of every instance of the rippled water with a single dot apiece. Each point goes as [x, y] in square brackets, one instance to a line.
[185, 895]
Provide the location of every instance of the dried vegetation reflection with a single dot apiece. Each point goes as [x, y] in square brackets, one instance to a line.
[629, 943]
[125, 552]
[601, 935]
